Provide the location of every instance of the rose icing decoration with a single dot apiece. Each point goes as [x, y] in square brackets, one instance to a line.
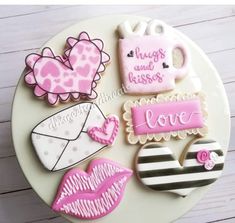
[207, 158]
[203, 155]
[70, 76]
[107, 133]
[94, 193]
[158, 169]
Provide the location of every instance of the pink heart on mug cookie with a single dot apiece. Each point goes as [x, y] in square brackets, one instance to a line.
[107, 133]
[81, 63]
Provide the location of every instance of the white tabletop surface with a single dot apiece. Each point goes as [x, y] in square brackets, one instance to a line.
[25, 28]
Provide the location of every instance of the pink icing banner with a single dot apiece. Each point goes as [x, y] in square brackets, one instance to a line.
[167, 117]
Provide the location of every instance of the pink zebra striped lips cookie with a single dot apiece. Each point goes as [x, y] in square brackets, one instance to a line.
[92, 194]
[70, 76]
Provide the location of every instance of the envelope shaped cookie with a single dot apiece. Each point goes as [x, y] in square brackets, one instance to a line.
[63, 140]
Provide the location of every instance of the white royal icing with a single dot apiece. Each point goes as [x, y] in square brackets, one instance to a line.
[62, 140]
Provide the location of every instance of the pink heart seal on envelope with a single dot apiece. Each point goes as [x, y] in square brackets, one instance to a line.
[107, 133]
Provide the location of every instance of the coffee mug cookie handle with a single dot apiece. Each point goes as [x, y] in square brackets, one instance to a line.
[156, 28]
[184, 69]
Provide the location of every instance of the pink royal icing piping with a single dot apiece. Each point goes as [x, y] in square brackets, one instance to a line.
[72, 75]
[94, 193]
[203, 155]
[147, 65]
[207, 158]
[167, 117]
[107, 133]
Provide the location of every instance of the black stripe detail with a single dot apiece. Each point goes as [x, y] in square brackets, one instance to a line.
[193, 155]
[154, 159]
[182, 185]
[177, 171]
[204, 141]
[153, 146]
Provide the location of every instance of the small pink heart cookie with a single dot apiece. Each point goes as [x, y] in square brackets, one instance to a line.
[146, 57]
[107, 133]
[70, 76]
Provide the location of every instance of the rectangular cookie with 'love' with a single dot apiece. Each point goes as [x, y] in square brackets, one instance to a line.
[163, 117]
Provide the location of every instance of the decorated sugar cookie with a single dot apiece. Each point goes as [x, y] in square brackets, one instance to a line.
[200, 164]
[94, 193]
[163, 117]
[146, 57]
[72, 135]
[107, 133]
[70, 76]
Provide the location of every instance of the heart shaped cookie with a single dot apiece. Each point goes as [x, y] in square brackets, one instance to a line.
[69, 76]
[107, 133]
[158, 169]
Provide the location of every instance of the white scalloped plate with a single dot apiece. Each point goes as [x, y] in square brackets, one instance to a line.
[139, 204]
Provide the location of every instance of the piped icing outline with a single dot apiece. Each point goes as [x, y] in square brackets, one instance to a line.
[182, 134]
[94, 193]
[109, 120]
[91, 106]
[159, 170]
[64, 60]
[144, 76]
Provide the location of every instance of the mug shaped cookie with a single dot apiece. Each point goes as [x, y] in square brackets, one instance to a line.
[146, 58]
[73, 135]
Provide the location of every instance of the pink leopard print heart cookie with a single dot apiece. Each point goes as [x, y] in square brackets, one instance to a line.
[70, 76]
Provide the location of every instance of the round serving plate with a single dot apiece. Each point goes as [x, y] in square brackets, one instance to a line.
[139, 204]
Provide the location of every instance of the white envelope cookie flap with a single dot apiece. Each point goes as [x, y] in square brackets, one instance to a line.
[64, 143]
[48, 149]
[77, 151]
[95, 117]
[66, 124]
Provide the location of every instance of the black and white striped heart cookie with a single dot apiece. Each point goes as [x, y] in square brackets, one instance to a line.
[200, 164]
